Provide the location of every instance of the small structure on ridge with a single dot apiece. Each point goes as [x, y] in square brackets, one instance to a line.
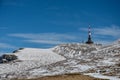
[89, 41]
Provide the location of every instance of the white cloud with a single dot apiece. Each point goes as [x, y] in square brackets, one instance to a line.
[45, 38]
[113, 31]
[5, 45]
[46, 41]
[50, 36]
[104, 34]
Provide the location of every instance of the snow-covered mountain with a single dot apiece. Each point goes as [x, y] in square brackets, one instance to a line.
[95, 60]
[101, 59]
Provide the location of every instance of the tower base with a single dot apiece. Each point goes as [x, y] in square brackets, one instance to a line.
[89, 42]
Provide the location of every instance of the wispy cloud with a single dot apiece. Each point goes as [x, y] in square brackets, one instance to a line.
[50, 36]
[104, 34]
[45, 38]
[46, 41]
[5, 45]
[113, 31]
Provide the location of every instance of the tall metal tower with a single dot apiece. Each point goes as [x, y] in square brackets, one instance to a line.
[89, 36]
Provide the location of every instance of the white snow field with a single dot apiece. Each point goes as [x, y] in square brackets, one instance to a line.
[30, 58]
[94, 60]
[45, 56]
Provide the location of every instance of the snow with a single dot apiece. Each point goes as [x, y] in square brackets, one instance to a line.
[105, 62]
[108, 62]
[97, 75]
[43, 55]
[96, 58]
[65, 58]
[30, 58]
[83, 67]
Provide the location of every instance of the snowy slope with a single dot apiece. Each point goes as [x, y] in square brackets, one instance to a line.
[104, 60]
[94, 60]
[75, 50]
[43, 55]
[28, 58]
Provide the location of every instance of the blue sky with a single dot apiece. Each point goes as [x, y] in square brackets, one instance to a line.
[46, 23]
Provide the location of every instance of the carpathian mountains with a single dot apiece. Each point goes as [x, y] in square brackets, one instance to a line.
[95, 60]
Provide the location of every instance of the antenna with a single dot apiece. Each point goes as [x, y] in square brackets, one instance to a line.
[89, 36]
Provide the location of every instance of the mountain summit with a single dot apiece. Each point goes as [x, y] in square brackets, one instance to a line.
[94, 60]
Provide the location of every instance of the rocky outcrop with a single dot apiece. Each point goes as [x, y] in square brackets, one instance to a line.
[5, 58]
